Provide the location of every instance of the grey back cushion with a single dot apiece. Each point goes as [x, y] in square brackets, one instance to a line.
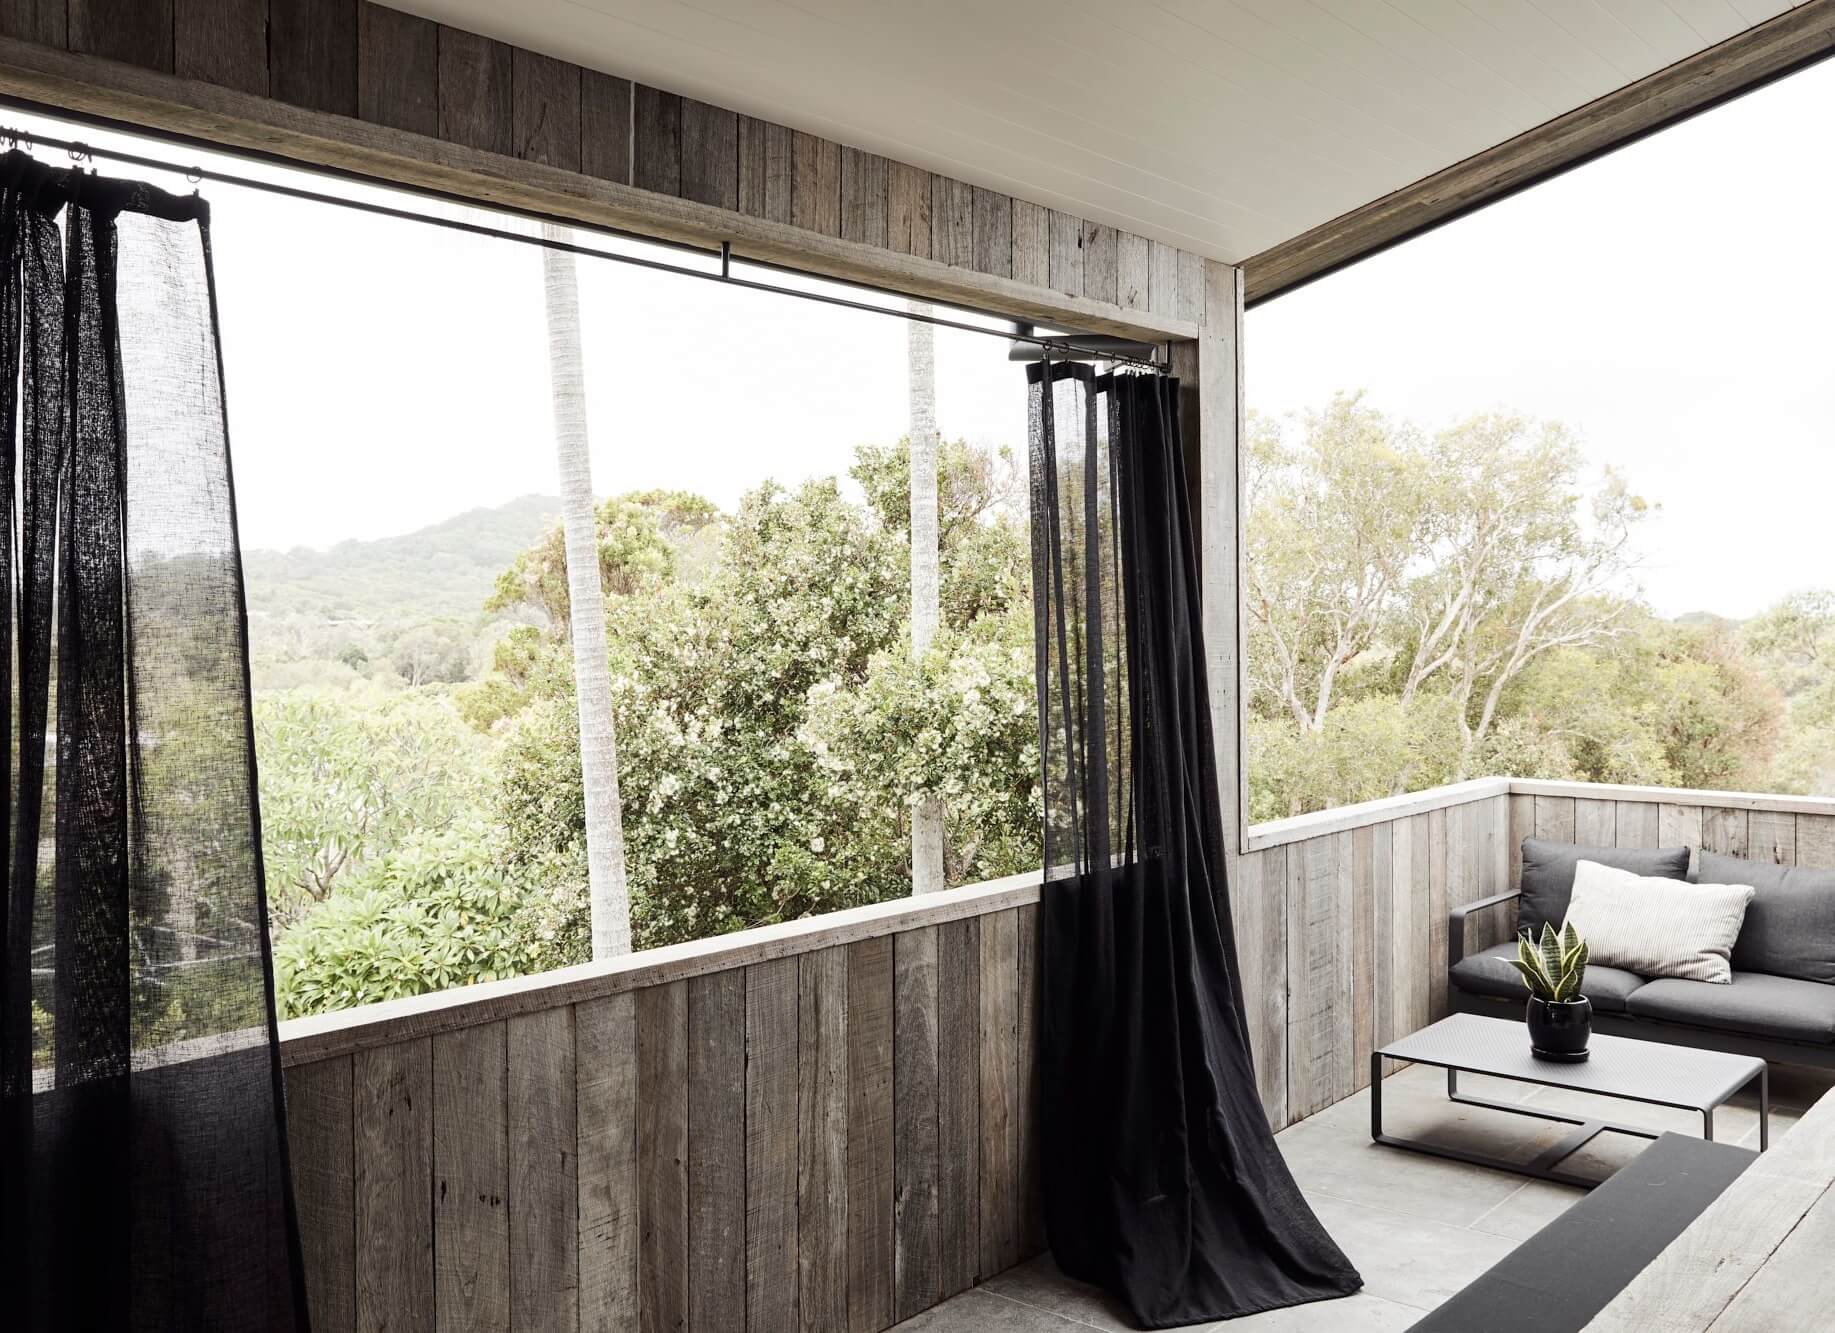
[1548, 875]
[1789, 929]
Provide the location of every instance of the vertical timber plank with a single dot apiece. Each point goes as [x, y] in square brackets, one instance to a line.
[312, 54]
[605, 126]
[992, 230]
[1555, 818]
[1029, 1195]
[959, 1103]
[662, 1157]
[764, 169]
[1099, 272]
[605, 1066]
[863, 197]
[319, 1133]
[474, 91]
[1772, 836]
[1066, 253]
[544, 1171]
[1190, 271]
[398, 70]
[135, 32]
[822, 1106]
[1031, 243]
[224, 42]
[716, 1149]
[770, 1144]
[1437, 876]
[1816, 841]
[1363, 953]
[999, 986]
[952, 222]
[656, 140]
[1638, 824]
[1724, 830]
[1595, 822]
[1163, 278]
[1258, 909]
[1133, 270]
[815, 183]
[710, 154]
[392, 1090]
[870, 1156]
[1462, 862]
[1382, 932]
[47, 22]
[545, 110]
[1319, 949]
[471, 1178]
[917, 1238]
[1522, 825]
[908, 210]
[1680, 826]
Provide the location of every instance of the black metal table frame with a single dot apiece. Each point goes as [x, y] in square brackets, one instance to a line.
[1546, 1164]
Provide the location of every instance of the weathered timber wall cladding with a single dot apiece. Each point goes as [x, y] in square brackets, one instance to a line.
[378, 65]
[1341, 917]
[832, 1139]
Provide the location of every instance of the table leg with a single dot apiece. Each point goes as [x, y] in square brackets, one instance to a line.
[1452, 1083]
[1764, 1108]
[1707, 1124]
[1376, 1097]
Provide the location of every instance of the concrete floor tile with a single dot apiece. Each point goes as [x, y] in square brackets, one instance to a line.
[1407, 1259]
[1535, 1204]
[1039, 1283]
[980, 1311]
[1362, 1313]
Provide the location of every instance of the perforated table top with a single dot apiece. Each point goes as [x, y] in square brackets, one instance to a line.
[1646, 1071]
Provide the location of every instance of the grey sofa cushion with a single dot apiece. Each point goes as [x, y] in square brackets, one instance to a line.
[1548, 874]
[1790, 925]
[1757, 1003]
[1488, 972]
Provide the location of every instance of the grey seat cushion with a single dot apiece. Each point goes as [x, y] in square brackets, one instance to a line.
[1489, 973]
[1757, 1003]
[1789, 929]
[1548, 874]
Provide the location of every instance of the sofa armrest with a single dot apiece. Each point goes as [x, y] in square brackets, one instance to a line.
[1455, 923]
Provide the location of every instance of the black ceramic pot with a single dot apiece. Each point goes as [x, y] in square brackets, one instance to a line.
[1560, 1031]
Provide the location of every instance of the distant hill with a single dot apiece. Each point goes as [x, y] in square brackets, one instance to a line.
[446, 570]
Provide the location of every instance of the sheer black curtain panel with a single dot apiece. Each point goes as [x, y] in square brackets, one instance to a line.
[1162, 1181]
[143, 1156]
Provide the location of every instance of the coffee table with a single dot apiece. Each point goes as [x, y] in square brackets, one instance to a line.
[1650, 1072]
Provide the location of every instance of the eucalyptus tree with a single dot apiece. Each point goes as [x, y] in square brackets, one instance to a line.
[611, 900]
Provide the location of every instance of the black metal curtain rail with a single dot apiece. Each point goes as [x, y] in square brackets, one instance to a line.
[81, 152]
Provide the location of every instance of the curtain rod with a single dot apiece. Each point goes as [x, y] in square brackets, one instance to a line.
[81, 152]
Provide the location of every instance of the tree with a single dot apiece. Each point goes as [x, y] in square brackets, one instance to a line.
[611, 904]
[927, 814]
[432, 652]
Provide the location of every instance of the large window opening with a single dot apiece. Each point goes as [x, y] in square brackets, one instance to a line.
[392, 426]
[1540, 493]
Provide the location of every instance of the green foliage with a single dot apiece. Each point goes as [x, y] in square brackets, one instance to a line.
[1555, 967]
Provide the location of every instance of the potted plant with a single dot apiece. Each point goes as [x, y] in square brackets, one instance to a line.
[1560, 1018]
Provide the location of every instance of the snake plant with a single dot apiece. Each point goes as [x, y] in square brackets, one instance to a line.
[1554, 966]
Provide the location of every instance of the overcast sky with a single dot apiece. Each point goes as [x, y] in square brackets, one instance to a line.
[1671, 303]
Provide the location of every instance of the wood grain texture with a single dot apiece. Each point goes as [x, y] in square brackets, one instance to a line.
[952, 222]
[544, 1170]
[917, 1235]
[1522, 825]
[1258, 913]
[999, 985]
[1772, 836]
[1363, 953]
[1029, 1192]
[710, 154]
[392, 1098]
[870, 1157]
[1555, 818]
[312, 54]
[1725, 830]
[662, 1156]
[992, 227]
[1437, 901]
[1066, 253]
[656, 140]
[863, 197]
[764, 169]
[1596, 822]
[908, 209]
[398, 69]
[959, 1103]
[1680, 826]
[771, 1144]
[136, 32]
[1031, 243]
[822, 1125]
[1133, 271]
[815, 184]
[1163, 278]
[716, 1150]
[471, 1178]
[1099, 264]
[605, 126]
[1319, 947]
[1189, 277]
[224, 42]
[1816, 841]
[1636, 824]
[605, 1067]
[319, 1138]
[474, 91]
[47, 22]
[545, 110]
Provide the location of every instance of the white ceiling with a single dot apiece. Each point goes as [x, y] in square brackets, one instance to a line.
[1222, 126]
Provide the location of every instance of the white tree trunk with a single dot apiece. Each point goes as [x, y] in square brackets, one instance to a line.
[611, 900]
[927, 816]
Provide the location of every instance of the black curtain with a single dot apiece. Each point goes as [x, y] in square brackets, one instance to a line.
[143, 1166]
[1161, 1177]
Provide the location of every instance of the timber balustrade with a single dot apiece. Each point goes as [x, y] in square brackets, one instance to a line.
[829, 1123]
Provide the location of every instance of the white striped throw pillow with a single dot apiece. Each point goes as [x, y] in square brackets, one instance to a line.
[1657, 927]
